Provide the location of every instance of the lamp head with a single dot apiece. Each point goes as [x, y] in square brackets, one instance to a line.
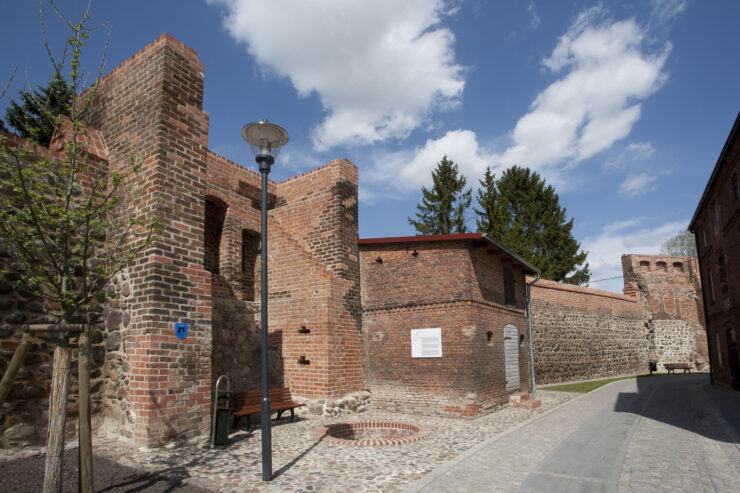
[264, 138]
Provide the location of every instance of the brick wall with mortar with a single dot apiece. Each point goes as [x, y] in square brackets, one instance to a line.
[583, 333]
[716, 224]
[150, 107]
[669, 289]
[454, 285]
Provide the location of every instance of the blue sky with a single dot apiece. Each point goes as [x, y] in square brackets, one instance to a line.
[622, 106]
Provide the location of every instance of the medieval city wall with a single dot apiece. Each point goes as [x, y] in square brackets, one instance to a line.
[582, 333]
[670, 293]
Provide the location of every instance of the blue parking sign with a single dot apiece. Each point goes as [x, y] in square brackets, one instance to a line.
[181, 330]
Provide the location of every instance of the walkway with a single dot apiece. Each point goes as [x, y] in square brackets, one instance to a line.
[666, 433]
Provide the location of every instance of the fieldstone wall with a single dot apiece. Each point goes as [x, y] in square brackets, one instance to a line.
[582, 333]
[671, 301]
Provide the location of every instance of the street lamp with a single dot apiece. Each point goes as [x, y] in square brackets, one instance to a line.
[265, 139]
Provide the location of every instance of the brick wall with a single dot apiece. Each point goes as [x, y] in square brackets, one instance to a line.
[150, 108]
[669, 288]
[716, 224]
[582, 333]
[458, 287]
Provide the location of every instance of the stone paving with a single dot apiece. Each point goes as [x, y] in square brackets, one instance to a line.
[301, 463]
[668, 433]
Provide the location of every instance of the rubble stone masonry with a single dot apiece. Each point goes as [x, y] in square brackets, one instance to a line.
[582, 333]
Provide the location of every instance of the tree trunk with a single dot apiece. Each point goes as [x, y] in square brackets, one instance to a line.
[85, 432]
[15, 364]
[57, 418]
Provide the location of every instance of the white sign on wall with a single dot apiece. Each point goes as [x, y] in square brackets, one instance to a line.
[426, 343]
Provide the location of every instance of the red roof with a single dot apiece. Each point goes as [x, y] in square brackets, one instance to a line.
[413, 239]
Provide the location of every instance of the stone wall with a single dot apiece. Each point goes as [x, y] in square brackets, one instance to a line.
[581, 333]
[669, 288]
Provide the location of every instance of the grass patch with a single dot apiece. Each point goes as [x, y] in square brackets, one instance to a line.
[584, 387]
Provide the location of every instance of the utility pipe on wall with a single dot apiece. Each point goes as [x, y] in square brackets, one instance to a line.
[529, 320]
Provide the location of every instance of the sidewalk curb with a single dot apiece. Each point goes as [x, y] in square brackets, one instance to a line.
[422, 483]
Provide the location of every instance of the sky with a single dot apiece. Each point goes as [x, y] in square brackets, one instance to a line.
[622, 106]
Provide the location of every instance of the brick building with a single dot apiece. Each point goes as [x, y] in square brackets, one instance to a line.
[716, 224]
[470, 289]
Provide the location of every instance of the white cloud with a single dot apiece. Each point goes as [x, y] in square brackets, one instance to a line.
[637, 184]
[664, 11]
[641, 150]
[623, 237]
[379, 68]
[607, 72]
[409, 170]
[534, 19]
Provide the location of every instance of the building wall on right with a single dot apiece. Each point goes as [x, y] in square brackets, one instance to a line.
[716, 224]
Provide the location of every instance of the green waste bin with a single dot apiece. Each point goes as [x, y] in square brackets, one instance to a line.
[222, 427]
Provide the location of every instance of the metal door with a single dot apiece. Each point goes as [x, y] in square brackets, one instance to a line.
[511, 357]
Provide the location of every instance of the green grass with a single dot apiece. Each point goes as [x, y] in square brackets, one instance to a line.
[584, 387]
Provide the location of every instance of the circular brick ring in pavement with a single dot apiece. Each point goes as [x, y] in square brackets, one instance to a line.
[371, 433]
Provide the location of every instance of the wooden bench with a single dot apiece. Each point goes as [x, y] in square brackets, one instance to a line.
[247, 403]
[672, 367]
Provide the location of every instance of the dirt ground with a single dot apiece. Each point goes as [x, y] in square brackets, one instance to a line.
[27, 475]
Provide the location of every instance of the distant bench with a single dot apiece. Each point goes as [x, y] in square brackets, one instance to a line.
[672, 367]
[247, 403]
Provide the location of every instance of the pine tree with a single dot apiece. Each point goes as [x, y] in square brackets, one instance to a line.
[34, 118]
[524, 213]
[442, 209]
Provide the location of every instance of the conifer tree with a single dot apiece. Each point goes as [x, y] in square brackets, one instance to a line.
[34, 118]
[524, 213]
[442, 209]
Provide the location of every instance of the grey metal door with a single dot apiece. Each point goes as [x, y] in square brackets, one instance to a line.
[511, 357]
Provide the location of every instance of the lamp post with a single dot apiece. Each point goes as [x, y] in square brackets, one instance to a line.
[265, 139]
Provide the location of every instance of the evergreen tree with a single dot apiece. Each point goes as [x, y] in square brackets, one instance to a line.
[442, 209]
[524, 213]
[34, 118]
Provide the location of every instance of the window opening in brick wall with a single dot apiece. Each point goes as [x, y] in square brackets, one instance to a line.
[509, 288]
[521, 339]
[719, 350]
[715, 211]
[250, 250]
[644, 265]
[678, 266]
[215, 213]
[662, 266]
[489, 337]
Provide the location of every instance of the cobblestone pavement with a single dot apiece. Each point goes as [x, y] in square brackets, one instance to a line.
[668, 433]
[302, 463]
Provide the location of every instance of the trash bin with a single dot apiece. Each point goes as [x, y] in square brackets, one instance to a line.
[222, 427]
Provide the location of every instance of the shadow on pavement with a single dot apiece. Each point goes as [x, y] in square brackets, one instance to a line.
[688, 402]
